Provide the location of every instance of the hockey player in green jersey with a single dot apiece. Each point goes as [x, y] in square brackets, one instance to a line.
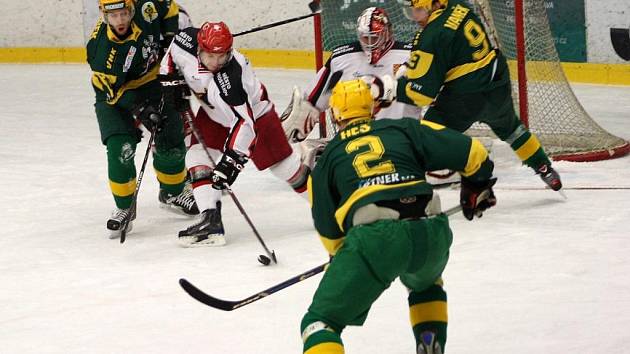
[123, 53]
[380, 220]
[454, 69]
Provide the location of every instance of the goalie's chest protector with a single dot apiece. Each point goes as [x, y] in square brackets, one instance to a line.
[354, 62]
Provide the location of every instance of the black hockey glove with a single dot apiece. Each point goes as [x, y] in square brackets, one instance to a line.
[175, 91]
[476, 197]
[148, 115]
[227, 169]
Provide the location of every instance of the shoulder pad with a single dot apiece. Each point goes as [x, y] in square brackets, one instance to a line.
[353, 47]
[230, 83]
[187, 40]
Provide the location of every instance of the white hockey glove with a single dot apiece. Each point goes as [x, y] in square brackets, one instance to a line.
[299, 118]
[311, 149]
[383, 88]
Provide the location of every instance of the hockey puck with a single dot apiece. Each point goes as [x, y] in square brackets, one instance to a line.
[264, 260]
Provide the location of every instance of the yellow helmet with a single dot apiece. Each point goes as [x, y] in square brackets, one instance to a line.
[110, 5]
[427, 4]
[351, 100]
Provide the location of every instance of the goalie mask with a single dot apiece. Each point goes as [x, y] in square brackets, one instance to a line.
[215, 45]
[375, 33]
[351, 100]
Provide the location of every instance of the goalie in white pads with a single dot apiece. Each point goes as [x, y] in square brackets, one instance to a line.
[237, 122]
[375, 53]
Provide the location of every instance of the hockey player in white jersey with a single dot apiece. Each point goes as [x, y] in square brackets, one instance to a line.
[237, 122]
[375, 53]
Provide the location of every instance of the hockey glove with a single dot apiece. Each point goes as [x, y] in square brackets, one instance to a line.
[175, 91]
[299, 118]
[148, 115]
[383, 88]
[476, 197]
[226, 171]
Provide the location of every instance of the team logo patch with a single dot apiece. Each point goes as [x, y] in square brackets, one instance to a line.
[149, 12]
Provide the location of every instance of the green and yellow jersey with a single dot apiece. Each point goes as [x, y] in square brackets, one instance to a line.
[453, 50]
[121, 65]
[386, 159]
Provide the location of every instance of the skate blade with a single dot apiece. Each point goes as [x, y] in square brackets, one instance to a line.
[115, 234]
[176, 210]
[211, 241]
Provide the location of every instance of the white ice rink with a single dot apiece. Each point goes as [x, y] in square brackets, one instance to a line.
[535, 275]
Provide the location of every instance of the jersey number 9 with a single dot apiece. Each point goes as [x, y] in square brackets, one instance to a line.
[477, 39]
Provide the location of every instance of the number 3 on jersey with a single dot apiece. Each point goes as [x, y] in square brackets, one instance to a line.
[374, 153]
[476, 38]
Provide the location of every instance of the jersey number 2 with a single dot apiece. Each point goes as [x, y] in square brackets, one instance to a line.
[476, 38]
[375, 153]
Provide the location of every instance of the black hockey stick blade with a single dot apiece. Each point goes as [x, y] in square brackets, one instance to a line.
[620, 38]
[229, 305]
[207, 299]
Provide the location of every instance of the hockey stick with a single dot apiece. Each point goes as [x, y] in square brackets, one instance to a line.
[134, 201]
[313, 5]
[271, 255]
[521, 188]
[332, 81]
[229, 305]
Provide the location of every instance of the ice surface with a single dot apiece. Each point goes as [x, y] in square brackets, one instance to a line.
[536, 274]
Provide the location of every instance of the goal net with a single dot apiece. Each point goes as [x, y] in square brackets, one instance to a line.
[553, 112]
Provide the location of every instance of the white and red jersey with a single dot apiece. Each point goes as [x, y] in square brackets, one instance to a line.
[354, 63]
[232, 97]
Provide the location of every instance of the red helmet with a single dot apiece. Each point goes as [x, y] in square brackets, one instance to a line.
[374, 30]
[215, 37]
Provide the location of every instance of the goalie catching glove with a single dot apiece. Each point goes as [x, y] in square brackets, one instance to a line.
[226, 171]
[175, 91]
[299, 118]
[476, 197]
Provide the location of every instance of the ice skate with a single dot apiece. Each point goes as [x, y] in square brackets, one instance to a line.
[115, 222]
[207, 232]
[429, 344]
[183, 203]
[550, 177]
